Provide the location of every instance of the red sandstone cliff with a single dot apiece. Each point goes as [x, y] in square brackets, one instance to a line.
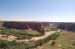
[1, 23]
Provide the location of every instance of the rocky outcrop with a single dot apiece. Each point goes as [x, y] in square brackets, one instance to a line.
[1, 23]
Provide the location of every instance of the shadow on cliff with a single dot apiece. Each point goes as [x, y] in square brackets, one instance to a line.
[67, 26]
[24, 25]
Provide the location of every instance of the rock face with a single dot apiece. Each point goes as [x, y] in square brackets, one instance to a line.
[1, 23]
[67, 26]
[39, 26]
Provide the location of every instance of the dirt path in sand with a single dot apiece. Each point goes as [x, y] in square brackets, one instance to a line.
[12, 38]
[38, 38]
[42, 37]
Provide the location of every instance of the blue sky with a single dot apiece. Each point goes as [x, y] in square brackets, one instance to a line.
[37, 10]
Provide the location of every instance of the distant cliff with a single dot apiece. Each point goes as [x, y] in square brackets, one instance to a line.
[39, 26]
[67, 26]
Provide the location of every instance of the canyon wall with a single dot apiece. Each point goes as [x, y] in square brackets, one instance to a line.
[67, 26]
[1, 23]
[39, 26]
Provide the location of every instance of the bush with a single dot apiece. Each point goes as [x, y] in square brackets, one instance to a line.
[54, 36]
[14, 45]
[3, 44]
[53, 43]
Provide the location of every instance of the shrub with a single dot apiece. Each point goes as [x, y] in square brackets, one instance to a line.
[14, 45]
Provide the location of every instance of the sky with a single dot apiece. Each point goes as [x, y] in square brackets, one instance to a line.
[37, 10]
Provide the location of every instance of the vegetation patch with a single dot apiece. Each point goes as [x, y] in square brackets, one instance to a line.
[47, 39]
[65, 40]
[14, 45]
[20, 33]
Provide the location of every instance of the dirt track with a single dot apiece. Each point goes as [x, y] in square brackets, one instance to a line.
[42, 37]
[12, 38]
[38, 38]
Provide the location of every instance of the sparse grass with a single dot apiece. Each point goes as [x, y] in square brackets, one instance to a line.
[66, 40]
